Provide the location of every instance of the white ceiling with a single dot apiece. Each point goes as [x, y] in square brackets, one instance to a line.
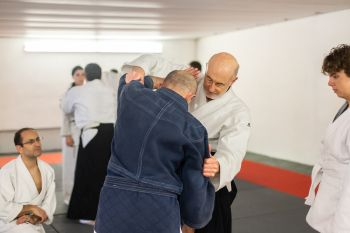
[156, 19]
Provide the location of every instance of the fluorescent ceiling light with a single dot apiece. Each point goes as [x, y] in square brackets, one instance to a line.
[93, 46]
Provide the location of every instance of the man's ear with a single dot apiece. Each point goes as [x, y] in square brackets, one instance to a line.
[233, 80]
[19, 149]
[188, 96]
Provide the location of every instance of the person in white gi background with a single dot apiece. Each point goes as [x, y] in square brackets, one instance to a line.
[227, 121]
[94, 108]
[27, 187]
[330, 207]
[70, 141]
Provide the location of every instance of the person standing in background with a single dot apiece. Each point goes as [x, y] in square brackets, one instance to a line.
[70, 140]
[329, 211]
[94, 108]
[196, 64]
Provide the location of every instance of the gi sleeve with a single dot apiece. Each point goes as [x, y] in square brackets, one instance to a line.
[131, 90]
[69, 99]
[197, 197]
[153, 65]
[49, 202]
[341, 219]
[65, 129]
[122, 83]
[8, 208]
[146, 61]
[231, 148]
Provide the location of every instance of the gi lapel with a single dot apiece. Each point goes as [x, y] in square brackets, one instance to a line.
[200, 107]
[28, 180]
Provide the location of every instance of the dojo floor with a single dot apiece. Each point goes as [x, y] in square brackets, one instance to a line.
[264, 204]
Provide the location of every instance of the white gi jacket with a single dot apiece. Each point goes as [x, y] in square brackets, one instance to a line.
[111, 80]
[226, 119]
[17, 188]
[330, 208]
[92, 104]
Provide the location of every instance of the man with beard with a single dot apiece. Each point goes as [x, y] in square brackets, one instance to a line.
[27, 187]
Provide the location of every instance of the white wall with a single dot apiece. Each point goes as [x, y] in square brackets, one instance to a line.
[32, 83]
[281, 82]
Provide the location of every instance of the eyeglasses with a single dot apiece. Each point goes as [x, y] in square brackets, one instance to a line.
[210, 81]
[32, 141]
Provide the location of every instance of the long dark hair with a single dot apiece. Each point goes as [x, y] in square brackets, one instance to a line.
[75, 69]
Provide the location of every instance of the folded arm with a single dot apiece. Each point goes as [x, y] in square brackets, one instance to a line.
[32, 214]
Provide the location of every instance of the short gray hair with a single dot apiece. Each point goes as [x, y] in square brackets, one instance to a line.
[181, 80]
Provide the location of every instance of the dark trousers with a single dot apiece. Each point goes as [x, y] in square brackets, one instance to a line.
[90, 173]
[221, 221]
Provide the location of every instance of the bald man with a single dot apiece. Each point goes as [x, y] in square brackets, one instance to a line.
[154, 180]
[227, 120]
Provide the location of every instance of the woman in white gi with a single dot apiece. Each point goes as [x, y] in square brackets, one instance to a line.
[27, 188]
[330, 206]
[70, 141]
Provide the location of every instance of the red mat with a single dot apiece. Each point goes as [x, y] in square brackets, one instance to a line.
[268, 176]
[275, 178]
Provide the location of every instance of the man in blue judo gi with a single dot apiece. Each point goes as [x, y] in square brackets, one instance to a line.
[154, 180]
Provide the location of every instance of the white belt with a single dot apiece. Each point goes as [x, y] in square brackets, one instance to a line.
[315, 180]
[89, 132]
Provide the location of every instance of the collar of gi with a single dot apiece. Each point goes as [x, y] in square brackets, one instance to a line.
[173, 95]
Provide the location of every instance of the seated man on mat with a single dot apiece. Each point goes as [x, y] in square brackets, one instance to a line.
[27, 187]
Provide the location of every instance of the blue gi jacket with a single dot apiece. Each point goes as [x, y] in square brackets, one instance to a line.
[158, 149]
